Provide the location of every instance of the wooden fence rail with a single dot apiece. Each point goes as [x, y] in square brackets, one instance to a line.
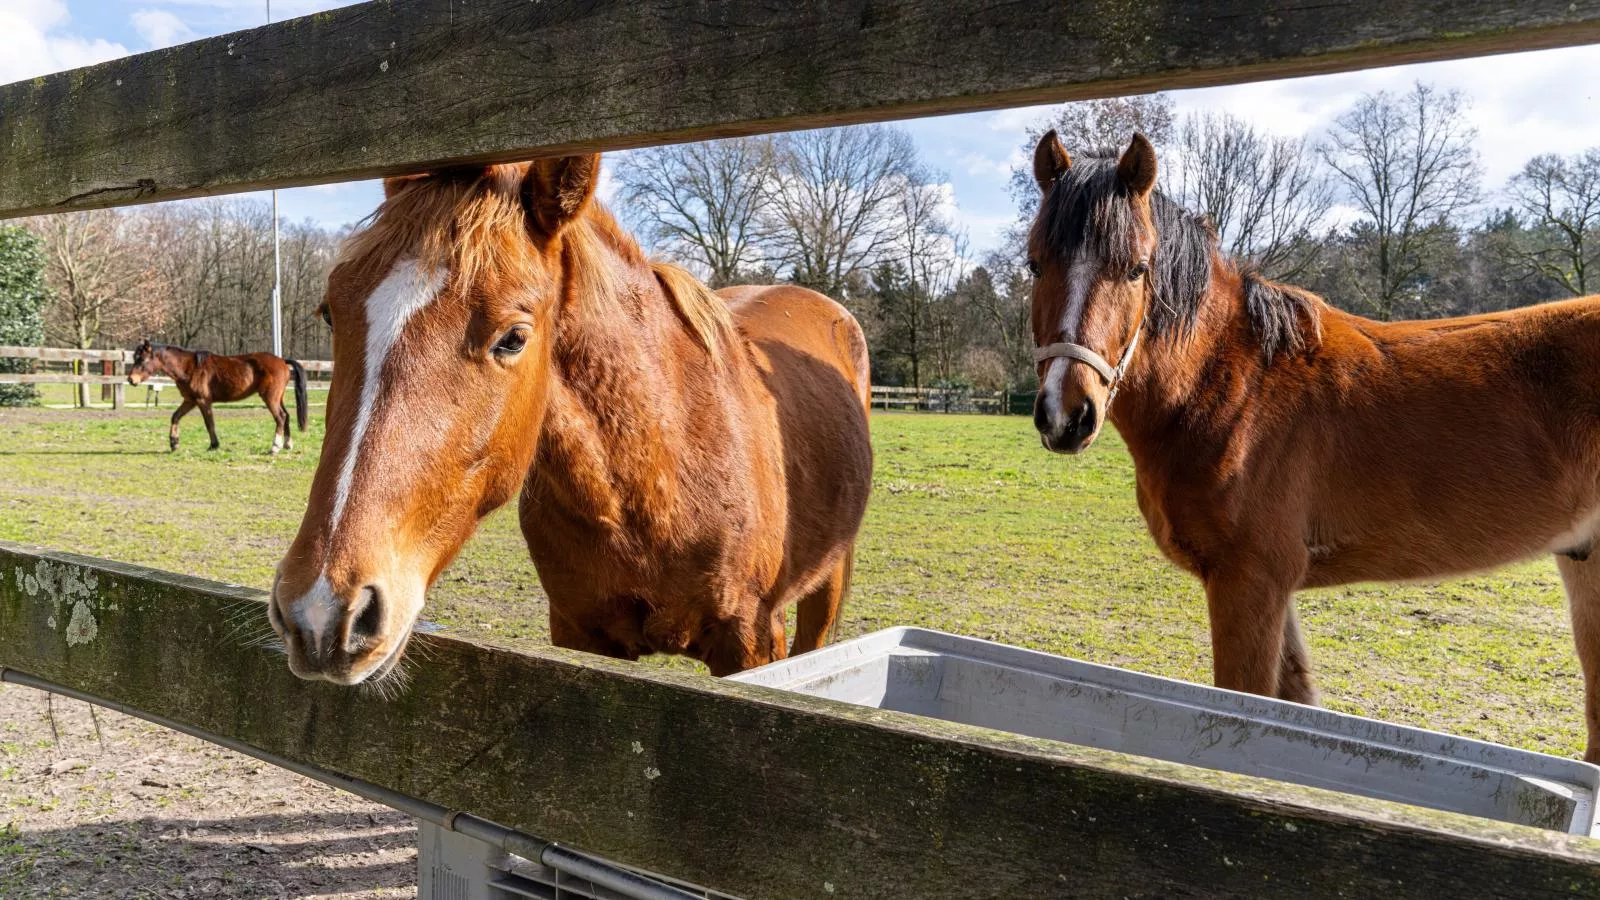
[64, 354]
[113, 385]
[751, 791]
[72, 354]
[386, 88]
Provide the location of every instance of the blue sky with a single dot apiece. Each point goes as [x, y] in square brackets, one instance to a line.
[1522, 104]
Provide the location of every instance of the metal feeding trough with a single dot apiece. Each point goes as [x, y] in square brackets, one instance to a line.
[961, 679]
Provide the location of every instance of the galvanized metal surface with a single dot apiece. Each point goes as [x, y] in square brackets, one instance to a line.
[979, 682]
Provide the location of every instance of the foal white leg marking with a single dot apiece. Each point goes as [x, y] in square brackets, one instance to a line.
[402, 294]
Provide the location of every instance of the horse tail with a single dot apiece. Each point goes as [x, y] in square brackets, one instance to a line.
[299, 373]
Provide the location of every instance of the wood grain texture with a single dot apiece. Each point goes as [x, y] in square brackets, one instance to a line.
[752, 791]
[386, 88]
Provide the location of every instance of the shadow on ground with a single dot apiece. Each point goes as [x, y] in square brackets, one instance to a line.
[345, 854]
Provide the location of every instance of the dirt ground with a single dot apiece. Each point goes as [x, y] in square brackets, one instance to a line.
[104, 805]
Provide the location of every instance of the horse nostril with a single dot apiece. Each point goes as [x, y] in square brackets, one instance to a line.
[275, 618]
[1082, 419]
[368, 622]
[1041, 416]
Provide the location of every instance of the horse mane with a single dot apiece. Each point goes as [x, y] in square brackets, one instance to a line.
[472, 221]
[1089, 204]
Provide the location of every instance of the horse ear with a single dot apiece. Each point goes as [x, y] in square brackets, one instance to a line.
[555, 191]
[1050, 160]
[1137, 167]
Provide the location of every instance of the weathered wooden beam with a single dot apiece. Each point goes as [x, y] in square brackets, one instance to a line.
[386, 88]
[747, 790]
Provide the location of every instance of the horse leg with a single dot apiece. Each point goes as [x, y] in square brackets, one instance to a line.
[177, 414]
[280, 425]
[817, 613]
[777, 634]
[1249, 614]
[211, 425]
[1294, 665]
[1582, 581]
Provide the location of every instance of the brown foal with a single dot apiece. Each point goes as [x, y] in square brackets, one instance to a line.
[689, 464]
[204, 378]
[1281, 444]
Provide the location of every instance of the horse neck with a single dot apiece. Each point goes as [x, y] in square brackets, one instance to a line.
[1172, 377]
[176, 362]
[619, 415]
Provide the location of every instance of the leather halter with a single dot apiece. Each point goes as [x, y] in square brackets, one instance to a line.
[1112, 376]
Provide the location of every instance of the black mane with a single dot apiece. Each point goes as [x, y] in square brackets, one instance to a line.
[1089, 204]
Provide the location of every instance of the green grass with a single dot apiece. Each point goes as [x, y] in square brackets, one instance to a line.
[972, 529]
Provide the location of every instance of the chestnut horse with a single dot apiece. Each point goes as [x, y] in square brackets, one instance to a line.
[204, 378]
[690, 464]
[1281, 444]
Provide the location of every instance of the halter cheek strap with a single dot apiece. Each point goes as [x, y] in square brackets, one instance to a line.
[1112, 376]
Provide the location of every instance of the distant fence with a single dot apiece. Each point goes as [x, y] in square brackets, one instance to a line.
[113, 374]
[953, 400]
[113, 379]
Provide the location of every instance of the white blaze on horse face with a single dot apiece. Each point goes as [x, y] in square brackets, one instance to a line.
[406, 290]
[1080, 278]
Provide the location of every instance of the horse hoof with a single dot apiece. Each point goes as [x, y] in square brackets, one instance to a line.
[214, 447]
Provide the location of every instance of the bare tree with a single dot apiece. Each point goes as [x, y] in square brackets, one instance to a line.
[832, 197]
[920, 317]
[1408, 165]
[1000, 292]
[701, 203]
[1266, 194]
[1089, 126]
[102, 283]
[1559, 198]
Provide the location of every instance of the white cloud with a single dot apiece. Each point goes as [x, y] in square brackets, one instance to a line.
[36, 41]
[982, 164]
[160, 28]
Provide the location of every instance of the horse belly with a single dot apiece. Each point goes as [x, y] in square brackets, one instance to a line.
[1451, 543]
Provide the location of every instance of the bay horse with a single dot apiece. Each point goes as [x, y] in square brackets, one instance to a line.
[204, 378]
[1281, 444]
[690, 464]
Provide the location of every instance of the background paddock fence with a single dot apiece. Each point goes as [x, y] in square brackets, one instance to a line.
[940, 399]
[112, 366]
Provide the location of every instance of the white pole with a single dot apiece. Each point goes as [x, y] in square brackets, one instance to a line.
[277, 263]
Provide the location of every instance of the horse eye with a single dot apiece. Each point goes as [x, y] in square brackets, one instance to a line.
[513, 342]
[1138, 271]
[326, 314]
[1034, 268]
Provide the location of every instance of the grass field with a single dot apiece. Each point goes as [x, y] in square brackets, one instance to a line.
[972, 529]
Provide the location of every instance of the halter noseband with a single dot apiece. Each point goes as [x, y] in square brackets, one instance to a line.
[1112, 376]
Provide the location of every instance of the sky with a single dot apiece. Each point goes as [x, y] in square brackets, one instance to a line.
[1521, 104]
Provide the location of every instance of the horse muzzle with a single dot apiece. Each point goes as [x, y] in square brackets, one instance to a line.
[345, 638]
[1066, 431]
